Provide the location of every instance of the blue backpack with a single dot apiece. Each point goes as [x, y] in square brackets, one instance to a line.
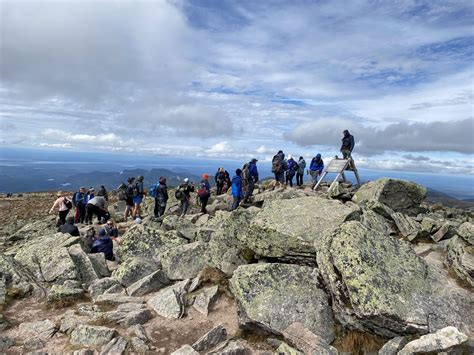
[153, 190]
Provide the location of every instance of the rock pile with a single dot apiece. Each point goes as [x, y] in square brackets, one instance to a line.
[301, 268]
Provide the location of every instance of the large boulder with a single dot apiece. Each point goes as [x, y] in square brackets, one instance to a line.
[288, 229]
[466, 231]
[266, 292]
[48, 258]
[169, 302]
[460, 257]
[183, 226]
[443, 340]
[134, 269]
[185, 261]
[379, 284]
[150, 283]
[399, 195]
[14, 280]
[90, 335]
[84, 265]
[143, 241]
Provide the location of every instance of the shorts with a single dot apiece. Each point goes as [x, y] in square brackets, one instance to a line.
[129, 201]
[137, 200]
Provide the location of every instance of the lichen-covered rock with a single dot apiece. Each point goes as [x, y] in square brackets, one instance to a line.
[379, 284]
[447, 230]
[48, 259]
[14, 280]
[265, 292]
[84, 265]
[373, 220]
[399, 195]
[116, 346]
[285, 349]
[442, 340]
[134, 269]
[460, 257]
[305, 340]
[182, 226]
[185, 261]
[393, 346]
[289, 228]
[212, 338]
[279, 194]
[91, 335]
[34, 230]
[466, 231]
[99, 286]
[169, 302]
[64, 295]
[185, 350]
[408, 227]
[99, 264]
[143, 241]
[206, 299]
[44, 330]
[149, 283]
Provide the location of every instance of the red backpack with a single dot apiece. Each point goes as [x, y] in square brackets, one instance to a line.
[202, 190]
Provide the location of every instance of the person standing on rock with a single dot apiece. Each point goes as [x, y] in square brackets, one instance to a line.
[98, 207]
[63, 205]
[79, 201]
[103, 192]
[300, 171]
[315, 169]
[292, 168]
[183, 195]
[279, 167]
[204, 192]
[69, 227]
[161, 198]
[228, 182]
[347, 144]
[237, 192]
[251, 179]
[138, 193]
[219, 179]
[129, 198]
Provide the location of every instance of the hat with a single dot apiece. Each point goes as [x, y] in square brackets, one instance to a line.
[186, 180]
[290, 156]
[59, 193]
[82, 188]
[254, 160]
[205, 176]
[91, 189]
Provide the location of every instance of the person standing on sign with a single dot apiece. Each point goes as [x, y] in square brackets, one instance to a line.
[347, 144]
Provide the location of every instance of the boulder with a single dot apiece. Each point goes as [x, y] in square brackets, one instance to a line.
[399, 195]
[43, 330]
[185, 350]
[466, 231]
[288, 229]
[393, 346]
[169, 302]
[64, 295]
[14, 279]
[233, 347]
[100, 286]
[116, 346]
[117, 299]
[91, 335]
[134, 269]
[143, 241]
[279, 194]
[309, 343]
[34, 230]
[185, 261]
[442, 340]
[181, 226]
[84, 266]
[69, 322]
[373, 220]
[408, 227]
[446, 231]
[150, 283]
[206, 299]
[264, 292]
[211, 339]
[460, 257]
[6, 342]
[139, 345]
[48, 258]
[99, 264]
[285, 349]
[379, 284]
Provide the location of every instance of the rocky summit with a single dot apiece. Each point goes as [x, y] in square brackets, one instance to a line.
[362, 271]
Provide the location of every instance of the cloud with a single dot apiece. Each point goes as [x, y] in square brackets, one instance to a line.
[416, 158]
[456, 136]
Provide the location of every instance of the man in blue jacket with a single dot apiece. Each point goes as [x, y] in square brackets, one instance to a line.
[103, 244]
[316, 168]
[252, 179]
[237, 192]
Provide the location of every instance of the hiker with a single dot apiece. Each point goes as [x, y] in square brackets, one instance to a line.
[251, 178]
[63, 205]
[183, 195]
[90, 194]
[103, 244]
[69, 227]
[79, 201]
[138, 193]
[161, 198]
[291, 171]
[204, 192]
[347, 144]
[111, 228]
[227, 183]
[97, 206]
[300, 171]
[279, 167]
[129, 198]
[237, 192]
[103, 192]
[315, 169]
[220, 179]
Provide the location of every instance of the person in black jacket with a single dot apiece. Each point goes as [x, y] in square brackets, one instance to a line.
[347, 144]
[69, 227]
[220, 180]
[161, 198]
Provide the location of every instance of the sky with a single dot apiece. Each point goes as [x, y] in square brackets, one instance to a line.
[227, 79]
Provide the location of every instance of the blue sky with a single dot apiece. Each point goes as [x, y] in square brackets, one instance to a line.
[242, 79]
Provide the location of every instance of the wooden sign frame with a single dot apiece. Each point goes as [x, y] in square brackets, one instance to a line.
[338, 166]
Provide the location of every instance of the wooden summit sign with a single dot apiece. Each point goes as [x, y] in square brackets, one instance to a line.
[338, 166]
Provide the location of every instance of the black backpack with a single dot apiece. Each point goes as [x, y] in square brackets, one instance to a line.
[67, 203]
[277, 166]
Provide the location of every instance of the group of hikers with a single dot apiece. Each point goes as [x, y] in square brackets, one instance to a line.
[89, 204]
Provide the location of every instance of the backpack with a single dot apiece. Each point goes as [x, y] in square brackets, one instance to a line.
[153, 190]
[277, 166]
[129, 191]
[135, 190]
[245, 172]
[179, 194]
[202, 190]
[67, 203]
[295, 166]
